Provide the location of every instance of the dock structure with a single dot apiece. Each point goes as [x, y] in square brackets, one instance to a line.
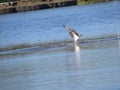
[27, 5]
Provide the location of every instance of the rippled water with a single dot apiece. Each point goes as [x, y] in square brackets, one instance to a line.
[49, 60]
[88, 66]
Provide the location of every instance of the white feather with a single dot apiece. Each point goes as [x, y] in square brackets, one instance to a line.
[75, 37]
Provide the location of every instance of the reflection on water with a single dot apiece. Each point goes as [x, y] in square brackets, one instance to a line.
[73, 57]
[77, 55]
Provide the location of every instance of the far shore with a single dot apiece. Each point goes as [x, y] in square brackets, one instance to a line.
[17, 6]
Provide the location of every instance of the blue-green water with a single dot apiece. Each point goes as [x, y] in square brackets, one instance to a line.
[53, 62]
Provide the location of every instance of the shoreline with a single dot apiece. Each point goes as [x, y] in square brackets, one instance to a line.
[30, 6]
[39, 5]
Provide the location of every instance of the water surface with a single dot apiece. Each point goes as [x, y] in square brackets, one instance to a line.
[46, 25]
[48, 60]
[89, 66]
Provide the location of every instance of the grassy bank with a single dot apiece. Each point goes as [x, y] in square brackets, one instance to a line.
[82, 2]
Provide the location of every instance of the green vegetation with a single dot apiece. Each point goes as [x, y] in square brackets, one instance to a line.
[82, 2]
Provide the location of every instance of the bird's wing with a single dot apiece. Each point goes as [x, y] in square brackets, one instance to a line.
[71, 31]
[75, 32]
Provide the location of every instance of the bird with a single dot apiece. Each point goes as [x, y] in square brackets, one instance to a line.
[72, 33]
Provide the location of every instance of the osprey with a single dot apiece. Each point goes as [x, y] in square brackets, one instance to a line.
[73, 33]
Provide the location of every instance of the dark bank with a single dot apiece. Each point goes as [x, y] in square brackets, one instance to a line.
[14, 6]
